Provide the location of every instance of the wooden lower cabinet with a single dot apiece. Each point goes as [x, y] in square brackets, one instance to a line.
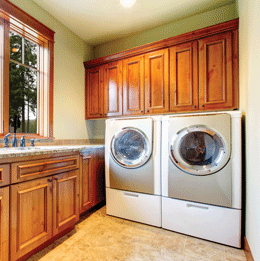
[86, 185]
[31, 215]
[65, 200]
[4, 224]
[41, 209]
[92, 179]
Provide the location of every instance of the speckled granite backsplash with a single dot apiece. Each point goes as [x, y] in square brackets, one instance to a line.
[55, 142]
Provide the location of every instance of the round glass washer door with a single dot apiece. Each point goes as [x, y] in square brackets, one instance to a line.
[199, 150]
[130, 148]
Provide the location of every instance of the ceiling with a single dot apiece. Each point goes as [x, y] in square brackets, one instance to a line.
[99, 21]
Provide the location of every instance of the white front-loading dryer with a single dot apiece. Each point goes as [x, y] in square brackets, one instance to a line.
[133, 173]
[201, 175]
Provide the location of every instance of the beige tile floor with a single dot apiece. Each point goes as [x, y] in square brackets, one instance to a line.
[99, 237]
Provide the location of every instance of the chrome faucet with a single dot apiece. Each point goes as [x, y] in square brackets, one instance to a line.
[6, 140]
[32, 142]
[14, 140]
[22, 142]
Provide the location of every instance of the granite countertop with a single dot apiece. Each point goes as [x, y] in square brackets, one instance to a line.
[40, 150]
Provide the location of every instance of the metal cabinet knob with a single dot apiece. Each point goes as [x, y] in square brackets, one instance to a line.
[202, 105]
[49, 180]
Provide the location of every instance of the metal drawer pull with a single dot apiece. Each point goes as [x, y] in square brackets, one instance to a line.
[131, 195]
[196, 206]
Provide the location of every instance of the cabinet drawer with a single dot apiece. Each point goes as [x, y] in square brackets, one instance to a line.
[4, 175]
[134, 206]
[23, 171]
[214, 223]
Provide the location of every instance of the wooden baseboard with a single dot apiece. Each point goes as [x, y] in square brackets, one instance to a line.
[249, 256]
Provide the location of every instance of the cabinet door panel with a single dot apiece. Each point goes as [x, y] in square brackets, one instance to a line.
[183, 77]
[97, 166]
[133, 85]
[92, 182]
[66, 200]
[4, 224]
[31, 216]
[215, 72]
[113, 88]
[86, 185]
[94, 92]
[157, 82]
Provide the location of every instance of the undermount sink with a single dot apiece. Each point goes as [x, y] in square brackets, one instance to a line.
[52, 147]
[27, 148]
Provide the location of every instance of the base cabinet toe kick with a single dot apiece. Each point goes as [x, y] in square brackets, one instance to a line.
[41, 198]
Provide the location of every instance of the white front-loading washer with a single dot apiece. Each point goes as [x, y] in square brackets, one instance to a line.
[133, 172]
[201, 175]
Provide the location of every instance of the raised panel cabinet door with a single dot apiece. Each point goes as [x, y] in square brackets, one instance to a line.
[97, 167]
[4, 224]
[216, 72]
[31, 216]
[92, 181]
[157, 82]
[86, 184]
[184, 77]
[133, 85]
[94, 93]
[113, 77]
[65, 200]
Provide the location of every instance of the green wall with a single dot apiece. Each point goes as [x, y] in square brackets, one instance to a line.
[222, 14]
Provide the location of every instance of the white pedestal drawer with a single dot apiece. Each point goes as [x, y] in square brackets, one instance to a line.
[134, 206]
[218, 224]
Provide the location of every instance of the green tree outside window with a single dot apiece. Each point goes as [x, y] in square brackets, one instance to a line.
[23, 77]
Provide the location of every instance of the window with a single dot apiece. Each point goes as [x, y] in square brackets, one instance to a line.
[26, 66]
[23, 84]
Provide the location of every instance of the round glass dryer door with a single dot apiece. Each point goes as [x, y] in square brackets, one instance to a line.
[130, 148]
[198, 150]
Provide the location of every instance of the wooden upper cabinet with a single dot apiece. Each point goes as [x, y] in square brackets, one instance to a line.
[216, 72]
[113, 89]
[31, 216]
[66, 200]
[195, 71]
[94, 93]
[157, 82]
[4, 224]
[133, 85]
[184, 77]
